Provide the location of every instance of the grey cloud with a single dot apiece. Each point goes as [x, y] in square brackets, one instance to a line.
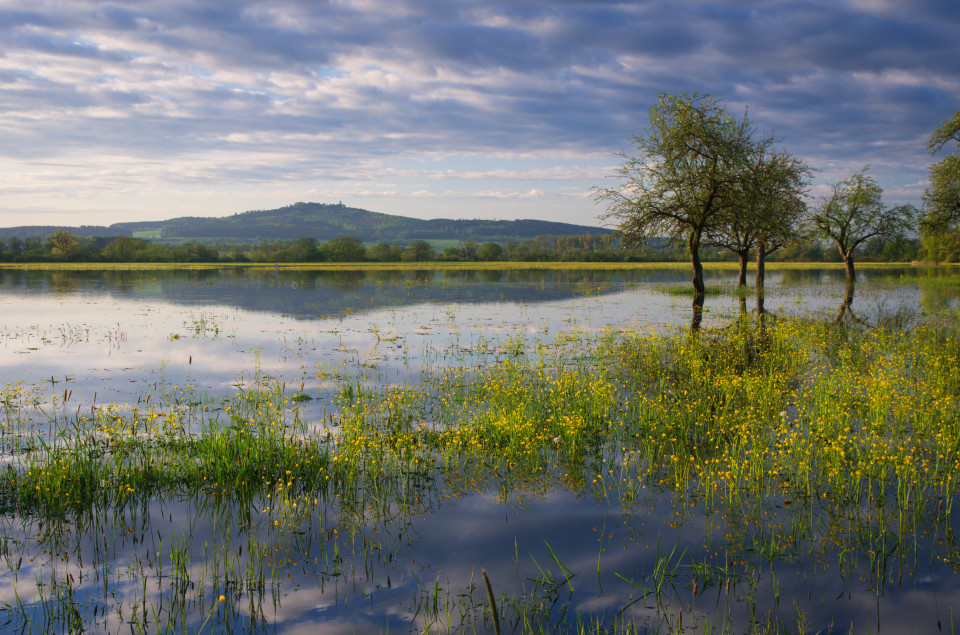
[469, 76]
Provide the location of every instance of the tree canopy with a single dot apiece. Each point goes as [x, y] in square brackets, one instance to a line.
[941, 200]
[688, 169]
[853, 212]
[767, 212]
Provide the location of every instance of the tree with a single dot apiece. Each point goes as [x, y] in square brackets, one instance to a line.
[124, 248]
[344, 249]
[14, 248]
[766, 214]
[854, 212]
[468, 250]
[779, 205]
[941, 200]
[383, 252]
[490, 251]
[238, 253]
[420, 251]
[62, 243]
[302, 250]
[688, 169]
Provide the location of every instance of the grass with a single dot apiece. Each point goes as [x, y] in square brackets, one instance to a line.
[796, 443]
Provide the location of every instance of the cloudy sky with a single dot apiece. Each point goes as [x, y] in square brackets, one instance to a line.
[147, 109]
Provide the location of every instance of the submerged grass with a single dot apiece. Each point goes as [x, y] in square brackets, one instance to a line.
[103, 459]
[811, 441]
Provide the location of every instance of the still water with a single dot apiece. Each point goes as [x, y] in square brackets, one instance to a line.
[114, 336]
[95, 338]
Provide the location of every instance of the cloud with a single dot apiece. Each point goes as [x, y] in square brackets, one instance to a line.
[179, 94]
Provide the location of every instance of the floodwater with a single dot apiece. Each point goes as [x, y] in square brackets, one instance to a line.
[110, 337]
[103, 337]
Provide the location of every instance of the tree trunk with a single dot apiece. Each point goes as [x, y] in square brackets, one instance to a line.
[761, 275]
[846, 308]
[693, 244]
[697, 316]
[743, 255]
[699, 291]
[761, 264]
[848, 265]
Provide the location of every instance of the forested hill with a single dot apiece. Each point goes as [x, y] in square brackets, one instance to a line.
[320, 221]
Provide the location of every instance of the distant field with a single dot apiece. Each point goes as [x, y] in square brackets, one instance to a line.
[439, 244]
[149, 234]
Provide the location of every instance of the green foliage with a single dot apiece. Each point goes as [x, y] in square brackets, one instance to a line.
[690, 170]
[419, 251]
[345, 249]
[489, 251]
[382, 252]
[854, 213]
[690, 161]
[63, 244]
[942, 199]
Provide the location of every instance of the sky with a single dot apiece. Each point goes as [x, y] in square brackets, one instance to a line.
[152, 109]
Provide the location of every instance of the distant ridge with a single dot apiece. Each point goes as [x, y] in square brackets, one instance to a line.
[321, 221]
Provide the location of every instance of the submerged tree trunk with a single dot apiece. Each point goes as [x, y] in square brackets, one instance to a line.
[697, 317]
[761, 275]
[743, 255]
[693, 245]
[699, 291]
[760, 299]
[846, 307]
[848, 265]
[761, 264]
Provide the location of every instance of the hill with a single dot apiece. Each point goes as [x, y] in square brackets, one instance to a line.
[321, 221]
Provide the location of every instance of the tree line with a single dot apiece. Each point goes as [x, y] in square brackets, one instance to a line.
[63, 246]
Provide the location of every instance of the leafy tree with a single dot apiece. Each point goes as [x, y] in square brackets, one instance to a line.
[62, 244]
[688, 170]
[14, 248]
[468, 250]
[779, 210]
[854, 212]
[490, 251]
[125, 249]
[420, 251]
[344, 249]
[266, 251]
[193, 251]
[942, 199]
[383, 252]
[302, 250]
[238, 253]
